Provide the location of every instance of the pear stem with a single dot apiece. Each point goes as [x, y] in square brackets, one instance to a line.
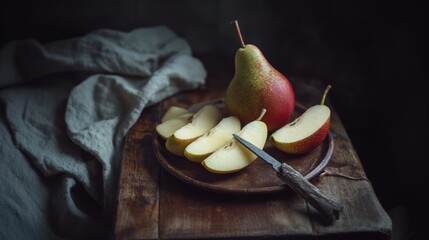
[324, 94]
[262, 114]
[237, 30]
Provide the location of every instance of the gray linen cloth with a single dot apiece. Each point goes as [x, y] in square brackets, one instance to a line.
[65, 109]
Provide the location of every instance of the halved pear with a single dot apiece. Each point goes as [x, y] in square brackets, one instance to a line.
[306, 132]
[173, 112]
[213, 139]
[233, 156]
[202, 121]
[168, 127]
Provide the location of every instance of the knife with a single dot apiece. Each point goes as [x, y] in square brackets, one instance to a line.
[328, 208]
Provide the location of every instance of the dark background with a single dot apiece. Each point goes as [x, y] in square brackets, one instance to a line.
[373, 53]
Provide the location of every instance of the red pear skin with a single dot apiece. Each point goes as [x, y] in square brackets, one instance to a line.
[260, 86]
[307, 144]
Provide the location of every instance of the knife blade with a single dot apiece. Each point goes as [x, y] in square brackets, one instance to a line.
[275, 164]
[328, 208]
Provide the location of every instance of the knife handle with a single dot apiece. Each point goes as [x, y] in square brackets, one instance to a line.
[328, 208]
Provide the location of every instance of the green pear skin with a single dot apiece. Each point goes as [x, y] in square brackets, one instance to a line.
[256, 85]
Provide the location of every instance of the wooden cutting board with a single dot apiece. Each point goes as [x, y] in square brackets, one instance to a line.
[153, 204]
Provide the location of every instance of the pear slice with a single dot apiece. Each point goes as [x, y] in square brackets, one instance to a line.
[213, 139]
[306, 132]
[233, 156]
[168, 127]
[202, 121]
[173, 112]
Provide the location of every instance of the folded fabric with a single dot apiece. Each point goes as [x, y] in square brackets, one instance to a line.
[69, 104]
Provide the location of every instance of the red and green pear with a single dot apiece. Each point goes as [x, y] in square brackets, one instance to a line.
[257, 85]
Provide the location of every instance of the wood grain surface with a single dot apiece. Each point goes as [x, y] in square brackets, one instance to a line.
[153, 204]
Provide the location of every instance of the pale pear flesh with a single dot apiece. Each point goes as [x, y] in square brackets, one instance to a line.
[233, 156]
[173, 112]
[304, 126]
[305, 133]
[168, 127]
[213, 139]
[202, 121]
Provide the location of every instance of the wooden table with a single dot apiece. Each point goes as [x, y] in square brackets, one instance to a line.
[152, 204]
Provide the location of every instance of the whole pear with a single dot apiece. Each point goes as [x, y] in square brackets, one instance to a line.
[257, 85]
